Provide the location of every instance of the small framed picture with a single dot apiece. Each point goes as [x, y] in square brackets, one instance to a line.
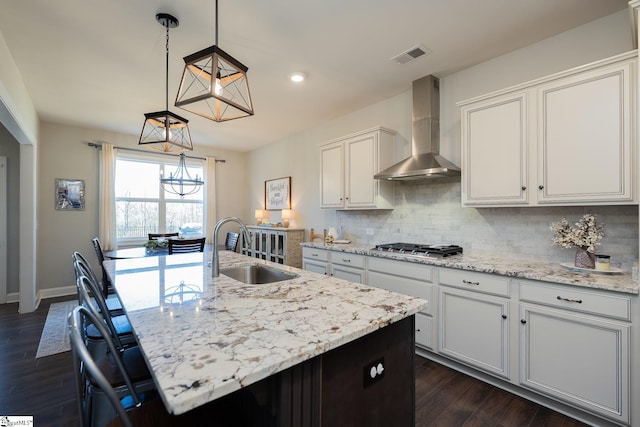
[69, 194]
[277, 194]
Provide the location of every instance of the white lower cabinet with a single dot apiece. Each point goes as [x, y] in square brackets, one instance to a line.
[568, 354]
[474, 326]
[569, 344]
[410, 279]
[316, 260]
[348, 266]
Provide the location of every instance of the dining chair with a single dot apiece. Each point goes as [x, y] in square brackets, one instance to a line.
[107, 286]
[113, 302]
[180, 246]
[231, 242]
[155, 236]
[111, 374]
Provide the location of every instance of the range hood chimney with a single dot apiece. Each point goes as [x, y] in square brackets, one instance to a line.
[425, 161]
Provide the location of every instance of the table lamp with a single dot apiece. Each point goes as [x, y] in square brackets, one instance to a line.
[258, 216]
[286, 216]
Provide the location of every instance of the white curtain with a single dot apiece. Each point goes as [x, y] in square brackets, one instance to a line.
[210, 198]
[107, 232]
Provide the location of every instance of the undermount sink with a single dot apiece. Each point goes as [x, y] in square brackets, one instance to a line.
[257, 274]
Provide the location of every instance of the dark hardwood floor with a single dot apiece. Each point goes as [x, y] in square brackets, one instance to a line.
[44, 387]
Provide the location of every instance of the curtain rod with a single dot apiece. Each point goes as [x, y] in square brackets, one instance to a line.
[99, 144]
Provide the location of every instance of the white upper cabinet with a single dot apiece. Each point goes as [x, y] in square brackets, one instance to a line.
[495, 140]
[566, 139]
[347, 167]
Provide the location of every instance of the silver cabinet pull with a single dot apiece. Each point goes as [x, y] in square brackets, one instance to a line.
[346, 260]
[579, 301]
[467, 282]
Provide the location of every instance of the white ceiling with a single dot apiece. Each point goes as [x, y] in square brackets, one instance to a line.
[100, 63]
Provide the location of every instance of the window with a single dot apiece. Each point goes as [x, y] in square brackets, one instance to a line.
[142, 205]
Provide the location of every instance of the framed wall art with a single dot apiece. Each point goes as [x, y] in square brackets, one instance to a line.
[69, 194]
[277, 194]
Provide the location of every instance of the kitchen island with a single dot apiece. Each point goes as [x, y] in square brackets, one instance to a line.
[308, 350]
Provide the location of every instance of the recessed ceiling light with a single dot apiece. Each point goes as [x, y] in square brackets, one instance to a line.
[297, 77]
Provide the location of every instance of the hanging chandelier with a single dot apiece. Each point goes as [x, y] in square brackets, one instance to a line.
[164, 130]
[181, 182]
[214, 85]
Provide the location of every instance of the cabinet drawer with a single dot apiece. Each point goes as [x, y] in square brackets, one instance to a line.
[479, 282]
[404, 285]
[411, 270]
[347, 259]
[317, 254]
[614, 306]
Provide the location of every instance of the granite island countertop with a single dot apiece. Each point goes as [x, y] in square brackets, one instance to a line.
[204, 338]
[517, 268]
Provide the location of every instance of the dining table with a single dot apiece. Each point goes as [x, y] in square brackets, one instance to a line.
[141, 252]
[217, 340]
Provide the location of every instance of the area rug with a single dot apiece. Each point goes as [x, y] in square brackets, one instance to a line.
[55, 337]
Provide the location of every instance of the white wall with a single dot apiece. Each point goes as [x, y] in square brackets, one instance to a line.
[64, 153]
[431, 213]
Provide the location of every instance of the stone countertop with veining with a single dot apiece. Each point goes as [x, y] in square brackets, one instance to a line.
[517, 268]
[204, 338]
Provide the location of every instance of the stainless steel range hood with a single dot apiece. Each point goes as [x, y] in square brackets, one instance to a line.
[425, 161]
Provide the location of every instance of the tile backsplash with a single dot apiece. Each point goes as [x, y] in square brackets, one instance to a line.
[431, 213]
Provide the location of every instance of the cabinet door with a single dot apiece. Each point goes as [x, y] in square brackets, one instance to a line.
[332, 176]
[494, 151]
[424, 331]
[351, 274]
[362, 163]
[584, 150]
[474, 329]
[315, 266]
[580, 359]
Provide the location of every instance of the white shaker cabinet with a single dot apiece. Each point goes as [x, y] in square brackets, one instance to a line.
[474, 320]
[347, 167]
[343, 265]
[492, 126]
[584, 136]
[348, 266]
[574, 347]
[410, 279]
[316, 260]
[565, 139]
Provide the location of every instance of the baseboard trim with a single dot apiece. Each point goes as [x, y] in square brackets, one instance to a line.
[13, 297]
[61, 291]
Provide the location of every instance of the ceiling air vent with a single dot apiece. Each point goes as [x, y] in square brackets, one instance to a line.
[411, 54]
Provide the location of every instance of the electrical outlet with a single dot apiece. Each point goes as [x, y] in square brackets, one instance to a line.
[373, 372]
[369, 231]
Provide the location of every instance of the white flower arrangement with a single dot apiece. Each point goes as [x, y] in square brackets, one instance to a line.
[586, 235]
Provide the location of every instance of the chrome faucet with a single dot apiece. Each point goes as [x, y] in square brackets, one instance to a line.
[215, 270]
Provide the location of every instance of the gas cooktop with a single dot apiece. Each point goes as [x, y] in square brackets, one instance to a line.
[419, 249]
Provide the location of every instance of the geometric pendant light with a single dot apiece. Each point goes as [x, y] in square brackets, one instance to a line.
[164, 130]
[214, 84]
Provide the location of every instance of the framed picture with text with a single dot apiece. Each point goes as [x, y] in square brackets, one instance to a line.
[277, 194]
